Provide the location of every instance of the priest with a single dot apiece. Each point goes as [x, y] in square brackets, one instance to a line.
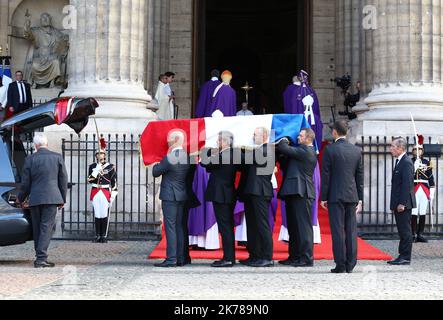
[205, 99]
[224, 97]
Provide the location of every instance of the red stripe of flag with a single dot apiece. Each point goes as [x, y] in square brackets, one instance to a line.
[153, 142]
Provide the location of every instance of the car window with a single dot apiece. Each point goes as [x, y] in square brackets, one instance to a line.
[10, 171]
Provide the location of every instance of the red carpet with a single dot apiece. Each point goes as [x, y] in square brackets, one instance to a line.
[321, 252]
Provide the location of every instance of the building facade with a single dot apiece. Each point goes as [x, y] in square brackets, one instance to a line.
[119, 47]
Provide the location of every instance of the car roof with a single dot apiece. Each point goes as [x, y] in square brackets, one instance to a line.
[71, 111]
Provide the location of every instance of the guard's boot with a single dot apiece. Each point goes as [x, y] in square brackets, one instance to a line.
[414, 228]
[103, 230]
[421, 230]
[97, 230]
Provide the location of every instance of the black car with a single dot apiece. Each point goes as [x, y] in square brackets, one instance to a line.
[15, 222]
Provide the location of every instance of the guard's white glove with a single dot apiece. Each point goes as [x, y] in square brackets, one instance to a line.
[432, 195]
[417, 164]
[113, 196]
[96, 171]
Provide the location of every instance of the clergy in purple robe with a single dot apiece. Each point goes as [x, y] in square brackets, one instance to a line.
[300, 98]
[204, 102]
[224, 97]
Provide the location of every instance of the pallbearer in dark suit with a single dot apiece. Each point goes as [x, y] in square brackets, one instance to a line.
[174, 170]
[342, 194]
[298, 192]
[191, 203]
[402, 199]
[259, 192]
[221, 192]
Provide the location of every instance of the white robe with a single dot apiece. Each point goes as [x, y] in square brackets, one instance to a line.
[165, 104]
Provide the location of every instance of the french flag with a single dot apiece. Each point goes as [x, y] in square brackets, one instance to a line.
[203, 133]
[5, 74]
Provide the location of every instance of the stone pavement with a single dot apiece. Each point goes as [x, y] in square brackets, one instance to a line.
[120, 270]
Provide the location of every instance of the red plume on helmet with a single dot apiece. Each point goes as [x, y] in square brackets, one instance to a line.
[421, 140]
[103, 144]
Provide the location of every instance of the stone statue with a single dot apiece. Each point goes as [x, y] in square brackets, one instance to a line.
[47, 57]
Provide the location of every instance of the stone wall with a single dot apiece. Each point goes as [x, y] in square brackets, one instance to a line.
[323, 55]
[180, 53]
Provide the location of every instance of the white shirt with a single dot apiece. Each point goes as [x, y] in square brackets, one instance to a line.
[22, 91]
[168, 90]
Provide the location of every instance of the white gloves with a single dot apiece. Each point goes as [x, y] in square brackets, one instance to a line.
[113, 195]
[96, 171]
[432, 195]
[417, 164]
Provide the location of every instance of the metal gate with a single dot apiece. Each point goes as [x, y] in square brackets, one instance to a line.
[376, 218]
[135, 214]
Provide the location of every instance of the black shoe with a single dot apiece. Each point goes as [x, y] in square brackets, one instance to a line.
[181, 264]
[421, 239]
[44, 264]
[103, 240]
[243, 244]
[165, 264]
[262, 264]
[247, 262]
[222, 264]
[338, 270]
[399, 262]
[287, 262]
[302, 264]
[96, 239]
[414, 239]
[349, 270]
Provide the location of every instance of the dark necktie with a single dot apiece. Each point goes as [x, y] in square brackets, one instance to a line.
[396, 163]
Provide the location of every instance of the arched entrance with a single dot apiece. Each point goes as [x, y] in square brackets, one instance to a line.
[262, 43]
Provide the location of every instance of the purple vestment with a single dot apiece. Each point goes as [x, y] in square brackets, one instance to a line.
[225, 100]
[205, 98]
[293, 101]
[202, 218]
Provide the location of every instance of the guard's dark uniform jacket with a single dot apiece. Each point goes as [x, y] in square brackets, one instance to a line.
[424, 177]
[106, 182]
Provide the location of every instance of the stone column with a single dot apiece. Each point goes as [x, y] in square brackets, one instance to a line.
[407, 69]
[107, 61]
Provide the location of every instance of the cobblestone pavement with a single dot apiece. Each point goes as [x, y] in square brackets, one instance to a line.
[120, 270]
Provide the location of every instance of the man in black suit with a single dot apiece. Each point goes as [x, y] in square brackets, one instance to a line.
[402, 199]
[174, 170]
[259, 192]
[191, 203]
[19, 94]
[45, 182]
[342, 194]
[298, 192]
[221, 192]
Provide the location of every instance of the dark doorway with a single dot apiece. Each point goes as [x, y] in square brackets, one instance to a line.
[261, 42]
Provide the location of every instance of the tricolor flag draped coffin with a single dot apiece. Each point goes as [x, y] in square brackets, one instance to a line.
[203, 133]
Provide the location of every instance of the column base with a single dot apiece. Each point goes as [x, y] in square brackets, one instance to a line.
[387, 111]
